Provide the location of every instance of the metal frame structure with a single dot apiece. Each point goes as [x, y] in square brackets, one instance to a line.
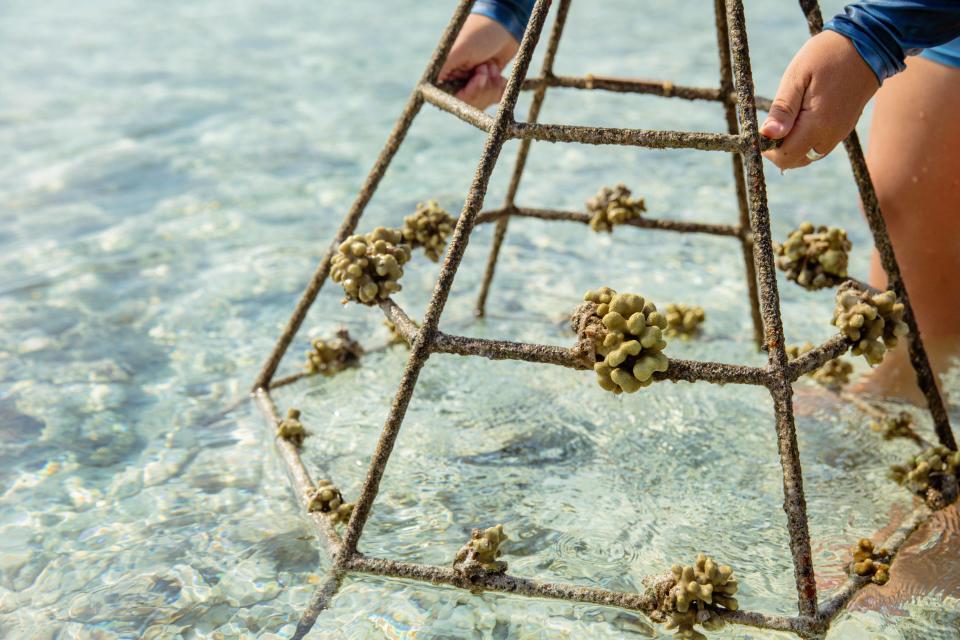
[745, 144]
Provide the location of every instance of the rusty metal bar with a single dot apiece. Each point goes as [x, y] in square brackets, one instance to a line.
[399, 132]
[881, 240]
[662, 88]
[652, 139]
[457, 107]
[677, 371]
[296, 470]
[730, 112]
[794, 503]
[642, 222]
[500, 231]
[420, 348]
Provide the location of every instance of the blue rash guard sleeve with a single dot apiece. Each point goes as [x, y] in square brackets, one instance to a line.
[885, 32]
[512, 14]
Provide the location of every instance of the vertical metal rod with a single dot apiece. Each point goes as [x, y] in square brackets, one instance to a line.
[420, 349]
[746, 237]
[399, 132]
[794, 503]
[500, 231]
[881, 240]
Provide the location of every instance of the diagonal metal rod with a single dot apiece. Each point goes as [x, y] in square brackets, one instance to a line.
[794, 503]
[420, 349]
[500, 231]
[881, 240]
[399, 132]
[730, 112]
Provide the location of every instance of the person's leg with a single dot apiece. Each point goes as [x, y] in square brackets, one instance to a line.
[914, 159]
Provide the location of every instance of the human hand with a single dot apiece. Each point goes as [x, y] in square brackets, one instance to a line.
[482, 49]
[821, 96]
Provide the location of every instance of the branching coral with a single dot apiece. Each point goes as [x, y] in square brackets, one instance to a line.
[624, 334]
[873, 322]
[291, 429]
[700, 593]
[683, 320]
[897, 426]
[369, 266]
[833, 374]
[428, 227]
[479, 555]
[871, 562]
[341, 515]
[613, 206]
[932, 475]
[329, 356]
[326, 498]
[814, 258]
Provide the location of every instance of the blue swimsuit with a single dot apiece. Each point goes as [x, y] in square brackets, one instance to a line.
[884, 32]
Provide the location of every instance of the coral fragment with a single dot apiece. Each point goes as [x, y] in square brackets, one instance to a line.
[369, 267]
[612, 206]
[813, 257]
[428, 227]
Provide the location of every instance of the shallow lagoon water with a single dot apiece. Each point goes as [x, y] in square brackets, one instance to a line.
[173, 173]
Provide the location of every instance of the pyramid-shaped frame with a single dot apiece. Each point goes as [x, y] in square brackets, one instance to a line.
[745, 145]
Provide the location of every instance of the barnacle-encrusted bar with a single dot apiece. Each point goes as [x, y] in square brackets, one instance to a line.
[450, 104]
[626, 85]
[299, 476]
[781, 391]
[645, 602]
[642, 222]
[677, 371]
[653, 139]
[816, 358]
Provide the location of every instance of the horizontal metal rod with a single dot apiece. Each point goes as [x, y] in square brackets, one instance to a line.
[456, 106]
[626, 85]
[299, 476]
[677, 370]
[663, 88]
[653, 139]
[642, 222]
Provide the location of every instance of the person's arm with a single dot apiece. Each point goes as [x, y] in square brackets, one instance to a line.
[833, 76]
[885, 32]
[512, 14]
[489, 39]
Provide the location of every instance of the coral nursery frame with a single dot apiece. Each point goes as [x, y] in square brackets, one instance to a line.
[745, 144]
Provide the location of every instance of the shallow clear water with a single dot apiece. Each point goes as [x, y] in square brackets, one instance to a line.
[174, 170]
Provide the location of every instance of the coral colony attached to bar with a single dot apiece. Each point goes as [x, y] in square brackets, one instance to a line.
[622, 336]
